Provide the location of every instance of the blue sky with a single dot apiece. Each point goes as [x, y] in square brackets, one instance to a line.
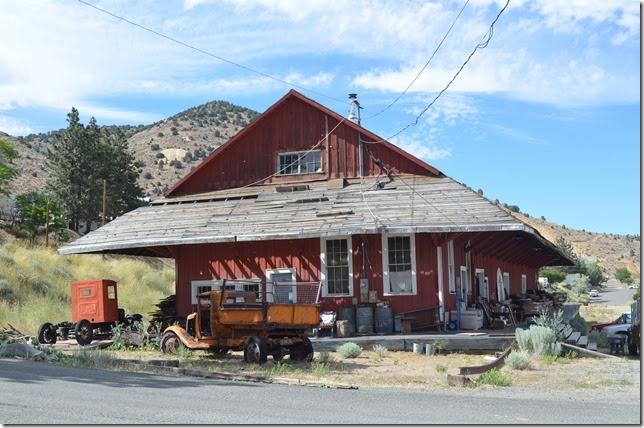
[546, 117]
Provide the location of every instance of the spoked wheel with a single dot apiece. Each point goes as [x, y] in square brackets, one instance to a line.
[47, 334]
[169, 342]
[255, 351]
[302, 351]
[83, 332]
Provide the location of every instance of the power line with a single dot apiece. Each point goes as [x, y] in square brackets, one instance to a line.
[482, 45]
[449, 30]
[210, 54]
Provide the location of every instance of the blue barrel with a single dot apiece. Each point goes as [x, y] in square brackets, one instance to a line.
[364, 319]
[384, 320]
[349, 315]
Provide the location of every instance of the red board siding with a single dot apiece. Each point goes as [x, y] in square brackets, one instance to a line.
[294, 125]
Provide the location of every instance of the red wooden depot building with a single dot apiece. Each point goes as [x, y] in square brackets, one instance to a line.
[304, 194]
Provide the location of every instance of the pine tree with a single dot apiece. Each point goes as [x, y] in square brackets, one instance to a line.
[80, 160]
[7, 171]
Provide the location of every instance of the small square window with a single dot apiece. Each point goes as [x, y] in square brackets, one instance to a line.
[299, 163]
[86, 291]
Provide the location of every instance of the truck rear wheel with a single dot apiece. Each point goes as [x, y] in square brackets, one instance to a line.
[47, 334]
[632, 349]
[302, 351]
[83, 332]
[255, 351]
[169, 342]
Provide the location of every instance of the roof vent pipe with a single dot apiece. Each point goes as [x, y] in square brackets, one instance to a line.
[354, 109]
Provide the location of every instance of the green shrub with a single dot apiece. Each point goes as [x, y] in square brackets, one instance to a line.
[182, 352]
[519, 360]
[494, 377]
[579, 324]
[441, 368]
[350, 350]
[279, 369]
[581, 285]
[552, 320]
[539, 340]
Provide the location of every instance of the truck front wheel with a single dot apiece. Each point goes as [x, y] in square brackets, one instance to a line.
[84, 332]
[169, 342]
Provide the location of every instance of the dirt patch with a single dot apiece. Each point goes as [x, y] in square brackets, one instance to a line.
[412, 371]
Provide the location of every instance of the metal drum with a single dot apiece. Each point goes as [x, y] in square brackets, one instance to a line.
[350, 316]
[384, 320]
[364, 319]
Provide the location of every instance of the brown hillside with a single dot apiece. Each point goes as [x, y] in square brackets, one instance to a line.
[610, 251]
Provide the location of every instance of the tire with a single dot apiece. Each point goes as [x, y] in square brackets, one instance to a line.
[84, 332]
[47, 334]
[632, 349]
[302, 351]
[255, 351]
[169, 342]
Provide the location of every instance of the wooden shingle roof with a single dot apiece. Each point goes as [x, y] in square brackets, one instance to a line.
[409, 204]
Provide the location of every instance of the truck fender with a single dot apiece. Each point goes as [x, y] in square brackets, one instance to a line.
[185, 338]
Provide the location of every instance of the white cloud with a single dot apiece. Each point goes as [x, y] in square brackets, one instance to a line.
[13, 127]
[423, 144]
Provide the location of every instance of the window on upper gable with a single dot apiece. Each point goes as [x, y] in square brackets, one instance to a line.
[292, 163]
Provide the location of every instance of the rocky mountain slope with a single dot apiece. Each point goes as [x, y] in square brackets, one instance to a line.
[165, 151]
[611, 251]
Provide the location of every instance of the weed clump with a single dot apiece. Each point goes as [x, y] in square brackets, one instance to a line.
[350, 350]
[494, 377]
[519, 360]
[441, 368]
[380, 352]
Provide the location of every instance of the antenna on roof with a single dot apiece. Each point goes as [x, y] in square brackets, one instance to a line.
[354, 109]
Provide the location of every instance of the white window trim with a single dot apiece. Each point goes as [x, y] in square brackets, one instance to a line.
[465, 287]
[385, 263]
[524, 283]
[451, 274]
[292, 271]
[441, 298]
[301, 153]
[323, 271]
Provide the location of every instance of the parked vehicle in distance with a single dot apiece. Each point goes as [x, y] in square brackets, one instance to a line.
[593, 293]
[243, 316]
[623, 319]
[633, 287]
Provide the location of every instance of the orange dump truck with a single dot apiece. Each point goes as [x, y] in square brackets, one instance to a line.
[261, 319]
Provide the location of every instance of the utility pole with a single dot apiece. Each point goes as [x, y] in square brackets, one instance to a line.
[104, 214]
[46, 221]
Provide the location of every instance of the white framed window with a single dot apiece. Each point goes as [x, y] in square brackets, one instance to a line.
[399, 264]
[524, 284]
[292, 163]
[468, 265]
[281, 293]
[336, 257]
[451, 275]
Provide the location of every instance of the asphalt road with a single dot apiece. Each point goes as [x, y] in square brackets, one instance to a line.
[614, 296]
[39, 393]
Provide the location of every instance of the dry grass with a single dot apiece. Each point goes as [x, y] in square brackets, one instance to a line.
[39, 279]
[598, 314]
